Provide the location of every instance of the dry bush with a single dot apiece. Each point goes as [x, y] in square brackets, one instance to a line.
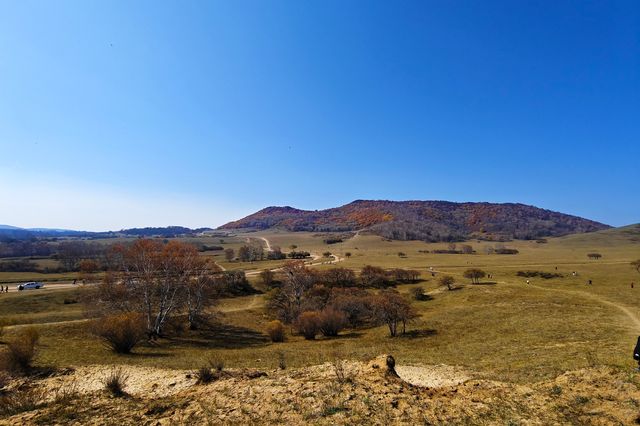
[275, 329]
[308, 324]
[355, 303]
[120, 332]
[204, 375]
[20, 351]
[66, 394]
[340, 371]
[20, 401]
[332, 321]
[418, 293]
[115, 382]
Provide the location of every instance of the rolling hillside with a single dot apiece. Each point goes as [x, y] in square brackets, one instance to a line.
[424, 220]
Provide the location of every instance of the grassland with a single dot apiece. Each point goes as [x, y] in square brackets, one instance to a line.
[503, 331]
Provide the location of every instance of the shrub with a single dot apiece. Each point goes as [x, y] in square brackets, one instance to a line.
[332, 321]
[373, 276]
[115, 382]
[392, 309]
[338, 277]
[120, 332]
[356, 305]
[308, 324]
[268, 277]
[204, 375]
[275, 330]
[20, 350]
[418, 293]
[20, 401]
[447, 280]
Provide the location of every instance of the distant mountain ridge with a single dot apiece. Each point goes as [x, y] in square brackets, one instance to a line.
[424, 220]
[14, 232]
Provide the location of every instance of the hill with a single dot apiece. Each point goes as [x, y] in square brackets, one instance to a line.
[424, 220]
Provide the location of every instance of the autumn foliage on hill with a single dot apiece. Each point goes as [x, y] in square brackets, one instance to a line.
[424, 220]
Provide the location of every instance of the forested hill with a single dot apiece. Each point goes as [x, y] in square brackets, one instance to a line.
[424, 220]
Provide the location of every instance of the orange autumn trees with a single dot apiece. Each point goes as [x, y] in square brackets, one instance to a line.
[158, 281]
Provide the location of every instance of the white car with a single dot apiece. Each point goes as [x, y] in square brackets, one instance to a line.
[30, 285]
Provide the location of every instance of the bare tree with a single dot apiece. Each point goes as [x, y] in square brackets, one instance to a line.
[392, 309]
[474, 275]
[287, 301]
[229, 254]
[447, 280]
[157, 280]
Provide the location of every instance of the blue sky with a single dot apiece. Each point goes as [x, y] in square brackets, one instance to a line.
[120, 114]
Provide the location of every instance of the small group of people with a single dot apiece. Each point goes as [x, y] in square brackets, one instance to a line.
[4, 289]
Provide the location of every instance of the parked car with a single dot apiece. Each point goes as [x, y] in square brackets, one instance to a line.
[30, 285]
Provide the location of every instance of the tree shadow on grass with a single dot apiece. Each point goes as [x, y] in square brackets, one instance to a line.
[416, 334]
[350, 335]
[227, 336]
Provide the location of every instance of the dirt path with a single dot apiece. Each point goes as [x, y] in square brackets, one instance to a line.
[253, 303]
[634, 319]
[624, 309]
[17, 326]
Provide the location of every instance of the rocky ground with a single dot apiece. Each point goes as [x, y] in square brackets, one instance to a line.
[342, 392]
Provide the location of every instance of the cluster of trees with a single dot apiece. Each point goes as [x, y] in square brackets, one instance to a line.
[69, 255]
[475, 275]
[454, 249]
[253, 253]
[19, 248]
[541, 274]
[150, 283]
[500, 249]
[370, 276]
[333, 240]
[298, 254]
[329, 301]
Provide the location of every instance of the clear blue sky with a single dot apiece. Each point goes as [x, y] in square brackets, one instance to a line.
[116, 114]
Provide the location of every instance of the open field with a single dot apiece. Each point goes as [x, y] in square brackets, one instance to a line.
[507, 331]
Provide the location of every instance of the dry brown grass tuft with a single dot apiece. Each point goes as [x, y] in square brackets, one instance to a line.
[120, 332]
[115, 382]
[275, 330]
[20, 351]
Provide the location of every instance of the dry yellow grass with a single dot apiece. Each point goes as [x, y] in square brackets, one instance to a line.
[507, 331]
